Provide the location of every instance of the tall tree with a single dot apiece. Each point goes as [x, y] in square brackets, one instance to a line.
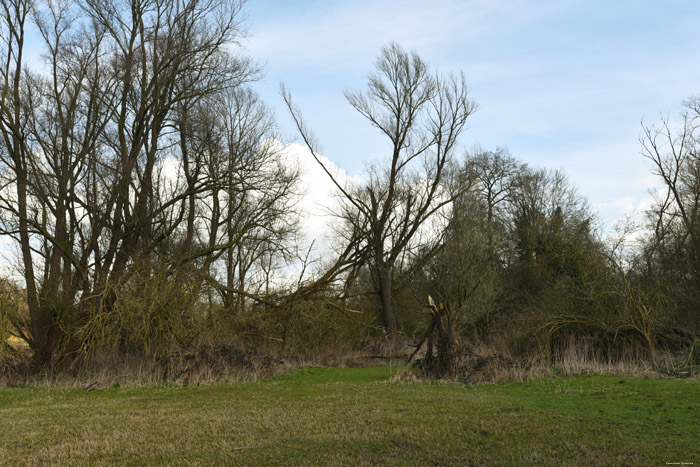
[86, 141]
[673, 250]
[248, 210]
[422, 115]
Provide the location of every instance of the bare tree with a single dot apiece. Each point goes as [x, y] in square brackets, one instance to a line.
[677, 162]
[248, 210]
[422, 115]
[548, 216]
[673, 250]
[85, 141]
[495, 174]
[17, 152]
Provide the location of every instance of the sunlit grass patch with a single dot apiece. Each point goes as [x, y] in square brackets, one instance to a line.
[17, 342]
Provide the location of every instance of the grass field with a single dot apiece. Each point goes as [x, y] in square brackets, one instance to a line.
[357, 416]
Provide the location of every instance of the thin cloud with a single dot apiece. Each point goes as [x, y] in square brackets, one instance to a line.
[348, 34]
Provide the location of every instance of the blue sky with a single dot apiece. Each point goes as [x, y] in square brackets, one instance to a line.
[562, 84]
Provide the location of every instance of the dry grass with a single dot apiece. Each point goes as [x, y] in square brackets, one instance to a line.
[207, 365]
[579, 358]
[489, 364]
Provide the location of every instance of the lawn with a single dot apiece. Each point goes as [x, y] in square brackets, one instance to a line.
[357, 416]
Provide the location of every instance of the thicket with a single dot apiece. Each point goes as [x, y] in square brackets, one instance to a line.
[155, 215]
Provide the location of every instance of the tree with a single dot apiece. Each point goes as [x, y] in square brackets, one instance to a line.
[422, 115]
[495, 174]
[246, 221]
[85, 145]
[551, 229]
[467, 275]
[672, 252]
[16, 147]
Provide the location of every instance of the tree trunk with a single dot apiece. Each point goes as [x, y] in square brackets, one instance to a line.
[387, 304]
[445, 361]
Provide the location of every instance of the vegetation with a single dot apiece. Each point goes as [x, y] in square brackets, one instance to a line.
[423, 117]
[155, 216]
[358, 416]
[156, 222]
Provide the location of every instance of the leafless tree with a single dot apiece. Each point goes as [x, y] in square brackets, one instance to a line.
[88, 139]
[422, 114]
[495, 174]
[676, 161]
[673, 250]
[248, 211]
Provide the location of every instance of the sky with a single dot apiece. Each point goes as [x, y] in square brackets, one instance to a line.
[562, 84]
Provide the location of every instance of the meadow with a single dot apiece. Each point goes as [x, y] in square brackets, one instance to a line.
[357, 416]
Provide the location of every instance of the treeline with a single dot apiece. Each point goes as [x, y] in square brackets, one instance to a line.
[154, 213]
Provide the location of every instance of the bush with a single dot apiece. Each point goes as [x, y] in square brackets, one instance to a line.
[14, 319]
[156, 312]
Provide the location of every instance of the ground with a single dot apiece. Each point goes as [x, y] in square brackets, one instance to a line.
[355, 416]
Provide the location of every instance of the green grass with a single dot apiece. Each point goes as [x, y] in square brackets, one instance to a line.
[357, 416]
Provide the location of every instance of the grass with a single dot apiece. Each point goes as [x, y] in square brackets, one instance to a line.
[356, 416]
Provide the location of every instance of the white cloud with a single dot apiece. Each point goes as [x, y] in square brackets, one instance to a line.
[320, 195]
